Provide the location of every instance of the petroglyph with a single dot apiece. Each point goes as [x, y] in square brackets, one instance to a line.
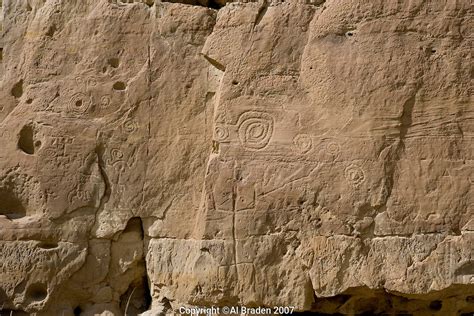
[255, 129]
[308, 153]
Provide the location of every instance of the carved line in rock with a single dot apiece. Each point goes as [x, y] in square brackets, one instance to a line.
[115, 156]
[255, 129]
[88, 83]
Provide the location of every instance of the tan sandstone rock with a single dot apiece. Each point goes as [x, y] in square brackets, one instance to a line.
[315, 154]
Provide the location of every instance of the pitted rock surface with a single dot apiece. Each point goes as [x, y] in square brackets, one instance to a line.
[315, 154]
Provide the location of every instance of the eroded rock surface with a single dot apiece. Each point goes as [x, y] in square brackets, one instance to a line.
[317, 154]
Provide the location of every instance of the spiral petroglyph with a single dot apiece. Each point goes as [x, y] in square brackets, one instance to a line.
[303, 143]
[105, 101]
[130, 126]
[221, 133]
[354, 175]
[255, 129]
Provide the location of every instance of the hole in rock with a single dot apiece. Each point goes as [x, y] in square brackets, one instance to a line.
[37, 144]
[29, 101]
[37, 292]
[48, 245]
[436, 305]
[10, 205]
[134, 225]
[113, 62]
[51, 31]
[17, 90]
[120, 86]
[3, 296]
[137, 298]
[466, 269]
[26, 140]
[235, 82]
[77, 311]
[1, 54]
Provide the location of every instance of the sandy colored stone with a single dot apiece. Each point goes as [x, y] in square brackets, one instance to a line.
[315, 154]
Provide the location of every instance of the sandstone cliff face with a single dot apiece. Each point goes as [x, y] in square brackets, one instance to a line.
[314, 154]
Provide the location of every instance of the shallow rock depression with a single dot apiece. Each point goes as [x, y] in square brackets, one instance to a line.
[155, 155]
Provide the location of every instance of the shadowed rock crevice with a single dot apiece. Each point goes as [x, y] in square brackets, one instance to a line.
[365, 301]
[17, 90]
[128, 258]
[212, 4]
[10, 204]
[27, 141]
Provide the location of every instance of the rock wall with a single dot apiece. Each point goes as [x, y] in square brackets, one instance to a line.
[313, 154]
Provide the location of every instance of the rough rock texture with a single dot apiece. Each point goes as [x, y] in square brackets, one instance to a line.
[314, 154]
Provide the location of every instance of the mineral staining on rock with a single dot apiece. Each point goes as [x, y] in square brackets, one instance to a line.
[195, 153]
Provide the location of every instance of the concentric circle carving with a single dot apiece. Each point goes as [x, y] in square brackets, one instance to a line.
[354, 175]
[221, 133]
[303, 143]
[79, 103]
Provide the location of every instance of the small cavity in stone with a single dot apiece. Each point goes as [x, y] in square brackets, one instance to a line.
[26, 141]
[119, 86]
[37, 292]
[113, 62]
[17, 90]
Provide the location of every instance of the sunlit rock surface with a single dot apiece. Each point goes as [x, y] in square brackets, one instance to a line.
[315, 154]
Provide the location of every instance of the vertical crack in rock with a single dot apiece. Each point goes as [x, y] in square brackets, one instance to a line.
[102, 169]
[234, 211]
[395, 154]
[406, 118]
[261, 13]
[128, 270]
